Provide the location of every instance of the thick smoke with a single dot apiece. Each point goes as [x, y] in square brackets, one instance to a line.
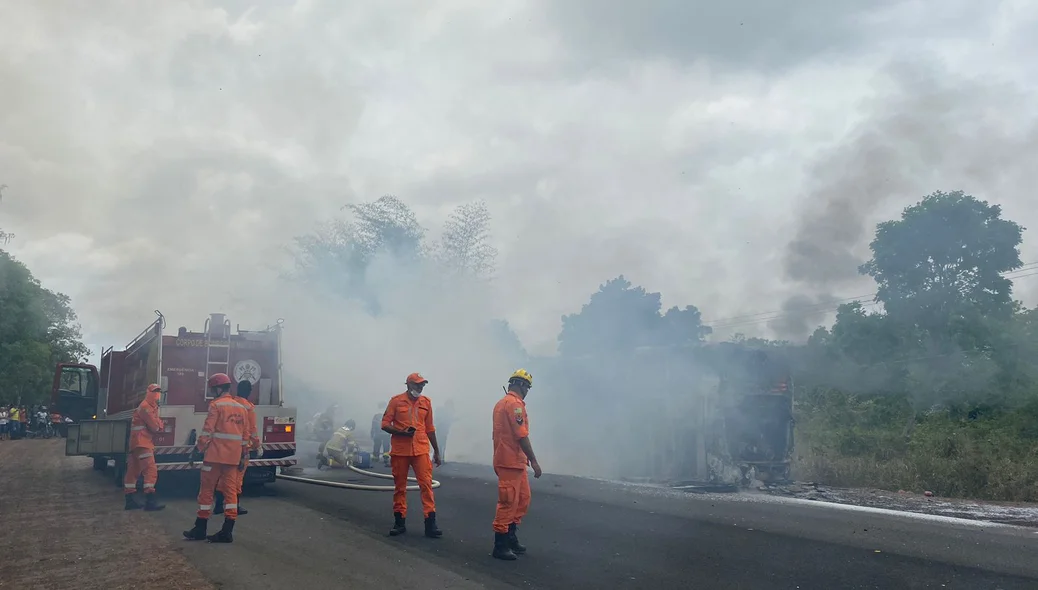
[926, 130]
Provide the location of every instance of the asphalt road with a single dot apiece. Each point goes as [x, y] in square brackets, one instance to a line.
[589, 534]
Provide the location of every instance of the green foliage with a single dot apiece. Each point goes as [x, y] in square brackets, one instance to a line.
[945, 256]
[38, 329]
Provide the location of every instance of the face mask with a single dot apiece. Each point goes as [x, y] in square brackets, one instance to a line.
[414, 393]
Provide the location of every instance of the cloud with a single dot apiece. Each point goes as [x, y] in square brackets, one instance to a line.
[160, 155]
[743, 34]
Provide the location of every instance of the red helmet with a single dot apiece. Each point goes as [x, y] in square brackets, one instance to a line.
[219, 379]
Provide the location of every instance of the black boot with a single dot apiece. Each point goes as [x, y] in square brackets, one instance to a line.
[399, 525]
[197, 533]
[131, 504]
[151, 503]
[224, 534]
[513, 540]
[501, 550]
[431, 530]
[242, 511]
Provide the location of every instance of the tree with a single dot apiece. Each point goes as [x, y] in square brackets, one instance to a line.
[465, 245]
[388, 225]
[38, 329]
[5, 237]
[358, 258]
[508, 341]
[339, 254]
[945, 256]
[621, 317]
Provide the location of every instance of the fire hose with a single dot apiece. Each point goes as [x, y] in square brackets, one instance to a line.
[356, 486]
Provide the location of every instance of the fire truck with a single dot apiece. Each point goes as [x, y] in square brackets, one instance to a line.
[101, 403]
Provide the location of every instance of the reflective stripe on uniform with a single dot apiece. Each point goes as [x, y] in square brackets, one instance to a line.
[205, 506]
[137, 428]
[226, 436]
[207, 468]
[206, 433]
[145, 455]
[130, 486]
[149, 485]
[227, 403]
[230, 506]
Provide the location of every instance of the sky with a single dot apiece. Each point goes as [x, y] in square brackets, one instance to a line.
[733, 156]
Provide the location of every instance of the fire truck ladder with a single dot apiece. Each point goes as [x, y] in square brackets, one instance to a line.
[217, 365]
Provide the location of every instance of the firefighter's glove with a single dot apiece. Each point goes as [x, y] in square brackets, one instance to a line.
[241, 464]
[253, 454]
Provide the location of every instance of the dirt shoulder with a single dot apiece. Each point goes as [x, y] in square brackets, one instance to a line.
[64, 527]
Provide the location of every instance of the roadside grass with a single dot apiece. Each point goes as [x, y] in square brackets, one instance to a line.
[880, 443]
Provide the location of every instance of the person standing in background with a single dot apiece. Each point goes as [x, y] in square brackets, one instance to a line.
[4, 419]
[23, 417]
[444, 420]
[379, 439]
[15, 422]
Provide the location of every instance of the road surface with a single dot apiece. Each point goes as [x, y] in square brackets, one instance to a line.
[589, 534]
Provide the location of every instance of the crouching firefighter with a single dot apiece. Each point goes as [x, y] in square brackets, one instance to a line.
[222, 446]
[341, 446]
[512, 453]
[144, 425]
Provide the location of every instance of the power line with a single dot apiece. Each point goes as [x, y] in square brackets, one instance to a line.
[1028, 269]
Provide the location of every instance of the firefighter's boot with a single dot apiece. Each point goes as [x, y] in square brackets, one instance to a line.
[197, 533]
[241, 511]
[431, 530]
[513, 540]
[151, 503]
[399, 525]
[131, 504]
[224, 534]
[501, 549]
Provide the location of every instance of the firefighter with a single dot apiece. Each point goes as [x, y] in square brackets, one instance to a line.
[409, 421]
[342, 444]
[222, 446]
[144, 425]
[241, 395]
[512, 453]
[379, 439]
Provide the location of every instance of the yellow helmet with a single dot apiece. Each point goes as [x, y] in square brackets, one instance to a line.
[522, 375]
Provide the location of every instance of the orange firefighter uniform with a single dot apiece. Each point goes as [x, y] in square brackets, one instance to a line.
[511, 423]
[411, 451]
[145, 424]
[244, 388]
[223, 444]
[511, 426]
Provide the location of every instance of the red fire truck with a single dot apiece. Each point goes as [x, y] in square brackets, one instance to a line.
[101, 403]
